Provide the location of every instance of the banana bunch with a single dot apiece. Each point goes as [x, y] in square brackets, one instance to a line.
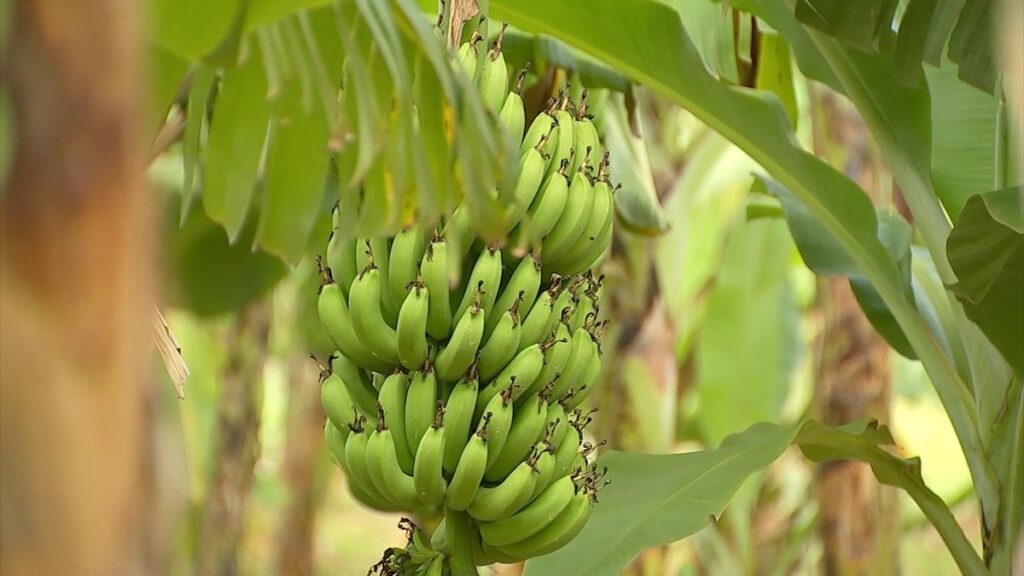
[455, 392]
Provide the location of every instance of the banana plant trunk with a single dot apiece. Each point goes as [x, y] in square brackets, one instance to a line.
[859, 520]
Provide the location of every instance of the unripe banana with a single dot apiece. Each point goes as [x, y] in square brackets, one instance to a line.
[545, 468]
[499, 423]
[335, 399]
[435, 278]
[535, 324]
[468, 473]
[380, 254]
[360, 391]
[597, 228]
[368, 318]
[531, 519]
[356, 464]
[485, 278]
[460, 352]
[576, 366]
[505, 499]
[512, 115]
[341, 258]
[585, 138]
[558, 423]
[547, 207]
[519, 374]
[556, 534]
[387, 474]
[527, 428]
[427, 472]
[542, 133]
[334, 314]
[566, 452]
[459, 419]
[590, 380]
[573, 221]
[593, 253]
[554, 362]
[406, 253]
[412, 326]
[522, 287]
[420, 406]
[564, 145]
[466, 57]
[532, 166]
[493, 81]
[336, 438]
[502, 344]
[391, 401]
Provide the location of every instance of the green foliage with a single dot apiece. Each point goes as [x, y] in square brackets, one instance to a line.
[657, 499]
[986, 250]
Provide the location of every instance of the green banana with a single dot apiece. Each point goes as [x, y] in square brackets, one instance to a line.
[563, 147]
[356, 463]
[566, 452]
[334, 314]
[500, 423]
[499, 502]
[427, 473]
[532, 166]
[589, 381]
[362, 394]
[387, 474]
[469, 471]
[502, 344]
[391, 405]
[576, 366]
[517, 375]
[527, 428]
[585, 136]
[459, 419]
[572, 223]
[558, 533]
[341, 258]
[412, 326]
[535, 323]
[486, 277]
[543, 132]
[521, 287]
[545, 468]
[368, 318]
[593, 253]
[420, 406]
[466, 57]
[512, 115]
[380, 254]
[435, 278]
[533, 518]
[335, 399]
[601, 216]
[336, 439]
[554, 362]
[547, 207]
[403, 269]
[586, 312]
[460, 351]
[493, 80]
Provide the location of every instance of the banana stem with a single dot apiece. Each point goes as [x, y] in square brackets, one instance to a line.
[460, 548]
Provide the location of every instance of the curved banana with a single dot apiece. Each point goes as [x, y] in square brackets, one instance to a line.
[590, 380]
[520, 373]
[499, 423]
[512, 115]
[356, 464]
[527, 428]
[361, 393]
[593, 253]
[566, 452]
[420, 406]
[563, 146]
[386, 472]
[535, 323]
[435, 277]
[531, 519]
[467, 56]
[334, 315]
[554, 362]
[485, 279]
[597, 228]
[468, 473]
[556, 534]
[336, 439]
[391, 410]
[427, 473]
[501, 345]
[368, 318]
[459, 353]
[521, 289]
[335, 399]
[505, 499]
[380, 254]
[543, 132]
[532, 166]
[545, 469]
[585, 137]
[412, 326]
[576, 366]
[493, 81]
[459, 419]
[341, 259]
[406, 254]
[573, 221]
[547, 207]
[586, 311]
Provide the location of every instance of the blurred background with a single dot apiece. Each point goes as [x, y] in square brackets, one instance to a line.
[716, 324]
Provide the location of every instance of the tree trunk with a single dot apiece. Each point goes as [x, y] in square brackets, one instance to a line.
[305, 441]
[859, 520]
[237, 446]
[75, 295]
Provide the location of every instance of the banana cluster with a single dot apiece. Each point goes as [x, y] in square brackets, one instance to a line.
[459, 392]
